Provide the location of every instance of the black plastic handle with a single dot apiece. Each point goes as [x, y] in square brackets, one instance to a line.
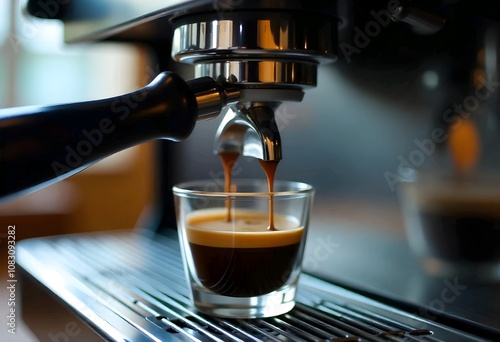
[42, 145]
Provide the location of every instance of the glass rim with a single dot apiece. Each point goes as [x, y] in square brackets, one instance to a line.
[184, 189]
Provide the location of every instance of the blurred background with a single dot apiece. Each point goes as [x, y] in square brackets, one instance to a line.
[36, 68]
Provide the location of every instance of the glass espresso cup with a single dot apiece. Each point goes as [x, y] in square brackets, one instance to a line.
[454, 226]
[235, 265]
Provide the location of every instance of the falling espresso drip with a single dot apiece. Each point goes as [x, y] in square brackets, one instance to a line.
[228, 160]
[270, 170]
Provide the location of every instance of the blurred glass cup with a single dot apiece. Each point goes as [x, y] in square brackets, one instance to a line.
[236, 267]
[453, 225]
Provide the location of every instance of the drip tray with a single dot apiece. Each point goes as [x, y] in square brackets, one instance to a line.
[127, 287]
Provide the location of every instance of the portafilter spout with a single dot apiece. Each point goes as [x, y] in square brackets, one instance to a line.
[250, 131]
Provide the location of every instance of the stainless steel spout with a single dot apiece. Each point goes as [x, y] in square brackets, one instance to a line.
[249, 130]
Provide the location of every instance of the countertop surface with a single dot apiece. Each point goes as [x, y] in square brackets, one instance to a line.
[380, 262]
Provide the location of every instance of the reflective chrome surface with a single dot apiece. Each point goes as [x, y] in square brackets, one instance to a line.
[212, 96]
[421, 21]
[256, 73]
[250, 131]
[257, 49]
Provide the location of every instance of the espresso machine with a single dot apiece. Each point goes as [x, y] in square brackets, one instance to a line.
[248, 64]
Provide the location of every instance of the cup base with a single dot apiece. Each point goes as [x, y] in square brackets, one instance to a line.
[272, 304]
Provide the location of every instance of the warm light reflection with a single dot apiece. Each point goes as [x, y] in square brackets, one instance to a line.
[464, 143]
[284, 37]
[267, 70]
[265, 38]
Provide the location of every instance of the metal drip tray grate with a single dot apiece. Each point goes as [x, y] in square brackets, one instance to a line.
[131, 288]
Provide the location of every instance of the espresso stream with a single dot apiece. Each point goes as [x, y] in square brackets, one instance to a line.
[270, 170]
[228, 159]
[235, 253]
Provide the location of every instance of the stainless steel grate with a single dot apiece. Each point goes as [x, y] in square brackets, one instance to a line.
[133, 288]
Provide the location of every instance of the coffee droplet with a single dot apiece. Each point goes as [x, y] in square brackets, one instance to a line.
[464, 146]
[270, 170]
[228, 160]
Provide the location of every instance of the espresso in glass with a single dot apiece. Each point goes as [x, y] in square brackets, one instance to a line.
[242, 258]
[241, 253]
[235, 264]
